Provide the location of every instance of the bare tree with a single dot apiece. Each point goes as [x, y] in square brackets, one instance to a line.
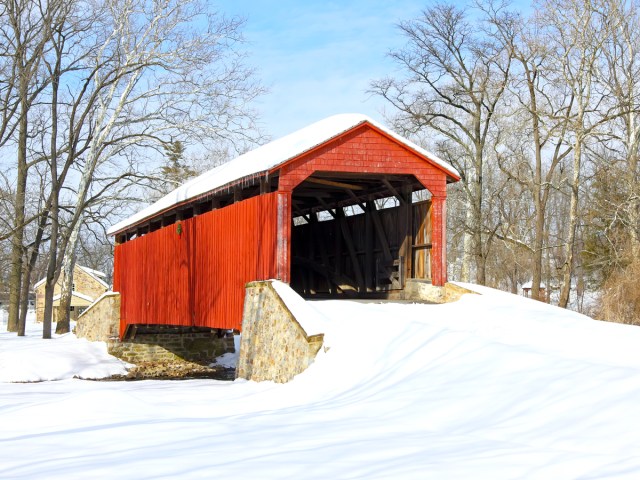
[24, 32]
[94, 90]
[165, 68]
[541, 115]
[622, 73]
[456, 75]
[576, 35]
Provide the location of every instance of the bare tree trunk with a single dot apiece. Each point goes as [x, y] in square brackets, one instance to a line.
[467, 243]
[17, 247]
[26, 32]
[28, 269]
[567, 268]
[634, 190]
[52, 266]
[538, 204]
[477, 227]
[66, 288]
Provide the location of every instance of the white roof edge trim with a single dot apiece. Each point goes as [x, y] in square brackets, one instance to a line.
[75, 294]
[267, 157]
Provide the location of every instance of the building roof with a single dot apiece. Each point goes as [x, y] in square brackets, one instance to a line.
[264, 159]
[77, 299]
[95, 274]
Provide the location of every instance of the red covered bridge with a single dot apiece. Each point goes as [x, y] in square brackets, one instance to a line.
[342, 208]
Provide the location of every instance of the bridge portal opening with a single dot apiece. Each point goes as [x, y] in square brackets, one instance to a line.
[359, 235]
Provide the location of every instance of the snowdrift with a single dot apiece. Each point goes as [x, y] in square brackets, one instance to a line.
[492, 386]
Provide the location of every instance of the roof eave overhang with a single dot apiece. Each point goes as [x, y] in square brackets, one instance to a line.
[451, 177]
[195, 199]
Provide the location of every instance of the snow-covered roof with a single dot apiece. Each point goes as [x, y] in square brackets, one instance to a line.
[76, 295]
[263, 159]
[95, 274]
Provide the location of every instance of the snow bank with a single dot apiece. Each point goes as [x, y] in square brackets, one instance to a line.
[32, 359]
[309, 318]
[492, 386]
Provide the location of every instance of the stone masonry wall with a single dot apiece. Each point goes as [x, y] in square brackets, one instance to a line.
[101, 320]
[274, 346]
[197, 347]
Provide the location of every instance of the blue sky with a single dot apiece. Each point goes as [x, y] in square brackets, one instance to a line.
[318, 58]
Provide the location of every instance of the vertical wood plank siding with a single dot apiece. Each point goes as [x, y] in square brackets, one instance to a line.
[194, 275]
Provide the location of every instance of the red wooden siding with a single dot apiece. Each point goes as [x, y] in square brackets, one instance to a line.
[363, 150]
[197, 276]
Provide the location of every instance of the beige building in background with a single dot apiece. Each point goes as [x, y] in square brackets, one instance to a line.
[88, 285]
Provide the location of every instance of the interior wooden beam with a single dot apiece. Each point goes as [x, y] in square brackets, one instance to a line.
[316, 241]
[299, 212]
[382, 237]
[332, 183]
[311, 194]
[338, 242]
[327, 207]
[357, 200]
[395, 192]
[346, 234]
[368, 248]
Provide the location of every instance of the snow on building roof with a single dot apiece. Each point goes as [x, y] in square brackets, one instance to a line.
[267, 157]
[75, 294]
[95, 274]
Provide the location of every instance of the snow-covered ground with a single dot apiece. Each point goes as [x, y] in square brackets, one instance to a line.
[490, 387]
[31, 359]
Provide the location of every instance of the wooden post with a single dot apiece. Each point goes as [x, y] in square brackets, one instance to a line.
[368, 247]
[348, 240]
[407, 244]
[338, 242]
[313, 220]
[311, 252]
[438, 241]
[283, 247]
[382, 236]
